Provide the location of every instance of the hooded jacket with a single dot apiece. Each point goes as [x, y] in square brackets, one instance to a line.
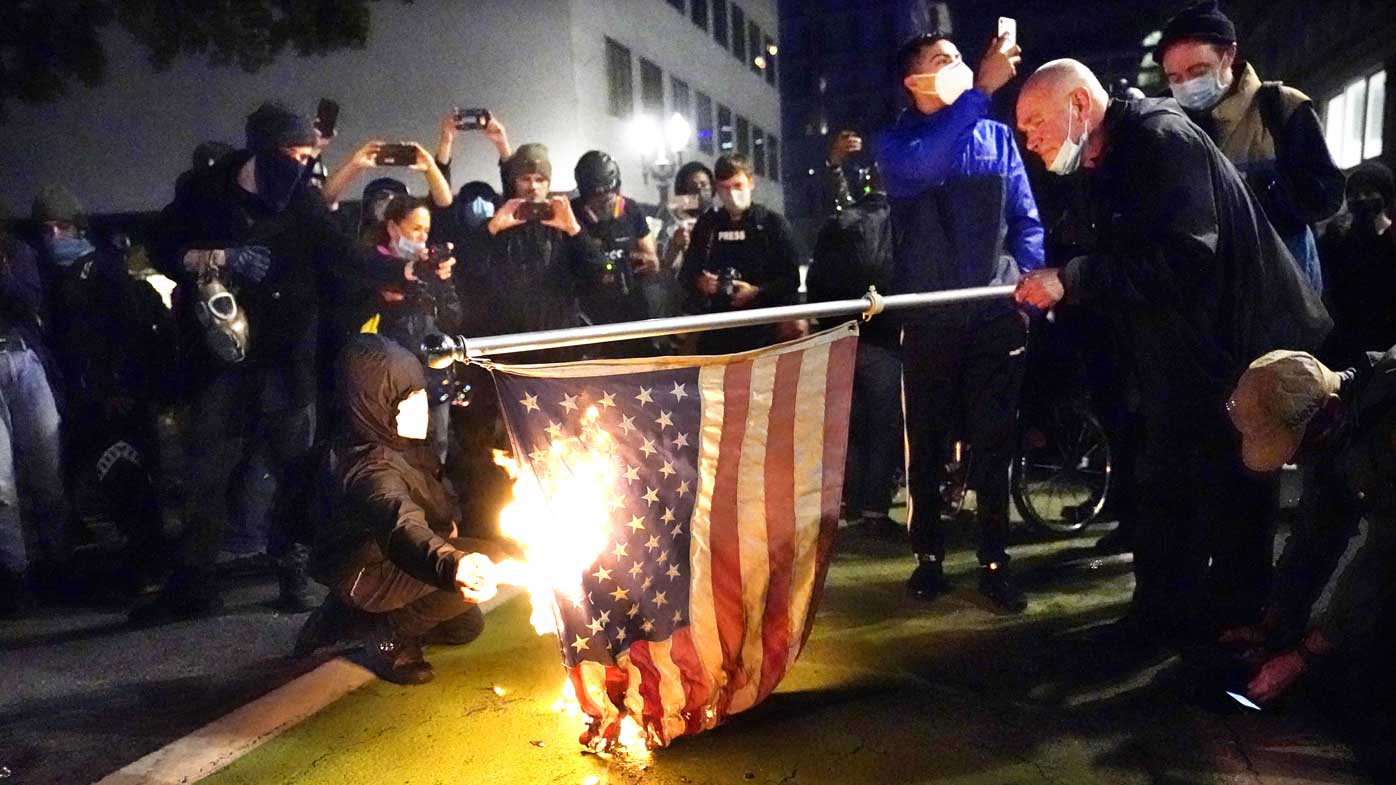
[211, 211]
[529, 280]
[1194, 277]
[383, 501]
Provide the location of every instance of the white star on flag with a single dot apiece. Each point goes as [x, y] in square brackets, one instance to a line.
[673, 571]
[632, 472]
[569, 402]
[667, 469]
[644, 396]
[681, 440]
[652, 544]
[683, 488]
[619, 552]
[660, 599]
[580, 643]
[530, 403]
[651, 496]
[648, 448]
[664, 420]
[608, 400]
[554, 431]
[620, 594]
[635, 570]
[668, 516]
[637, 522]
[595, 625]
[627, 424]
[678, 392]
[601, 574]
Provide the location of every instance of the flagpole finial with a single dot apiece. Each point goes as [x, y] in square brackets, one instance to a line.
[876, 303]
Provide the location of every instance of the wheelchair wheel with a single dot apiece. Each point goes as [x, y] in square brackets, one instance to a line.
[1062, 473]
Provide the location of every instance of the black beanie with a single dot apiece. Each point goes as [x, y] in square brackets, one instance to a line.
[273, 127]
[1202, 21]
[56, 203]
[1376, 176]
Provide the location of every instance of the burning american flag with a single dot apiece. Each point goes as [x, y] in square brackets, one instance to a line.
[692, 504]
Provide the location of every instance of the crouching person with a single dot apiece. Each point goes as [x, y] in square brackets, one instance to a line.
[388, 546]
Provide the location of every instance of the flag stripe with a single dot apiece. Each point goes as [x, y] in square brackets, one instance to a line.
[644, 697]
[726, 550]
[751, 530]
[780, 521]
[671, 689]
[706, 648]
[697, 689]
[809, 484]
[837, 400]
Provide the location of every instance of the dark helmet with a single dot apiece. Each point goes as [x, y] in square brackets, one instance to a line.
[596, 173]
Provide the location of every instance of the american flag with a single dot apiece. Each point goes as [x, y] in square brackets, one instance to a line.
[728, 478]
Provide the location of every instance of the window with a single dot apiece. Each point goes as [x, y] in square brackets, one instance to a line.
[773, 158]
[770, 55]
[705, 123]
[738, 37]
[720, 22]
[758, 149]
[725, 138]
[1353, 121]
[620, 85]
[651, 87]
[756, 57]
[698, 12]
[680, 99]
[743, 136]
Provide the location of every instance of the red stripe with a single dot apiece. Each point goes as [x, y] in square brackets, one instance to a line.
[838, 396]
[696, 687]
[780, 520]
[652, 708]
[726, 551]
[579, 688]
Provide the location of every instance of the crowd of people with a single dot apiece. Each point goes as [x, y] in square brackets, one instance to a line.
[1245, 281]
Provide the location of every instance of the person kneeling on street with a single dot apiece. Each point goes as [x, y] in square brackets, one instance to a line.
[388, 546]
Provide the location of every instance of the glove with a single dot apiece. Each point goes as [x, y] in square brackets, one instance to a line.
[249, 262]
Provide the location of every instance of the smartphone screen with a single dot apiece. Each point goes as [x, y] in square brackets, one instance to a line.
[327, 117]
[1244, 701]
[1008, 26]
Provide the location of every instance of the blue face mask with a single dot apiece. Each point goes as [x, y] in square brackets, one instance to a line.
[408, 249]
[1201, 93]
[477, 211]
[66, 250]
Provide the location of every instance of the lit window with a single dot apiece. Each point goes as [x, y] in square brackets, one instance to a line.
[1352, 121]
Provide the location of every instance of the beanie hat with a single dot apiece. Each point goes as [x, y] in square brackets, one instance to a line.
[1202, 21]
[379, 185]
[531, 158]
[56, 203]
[273, 127]
[208, 153]
[1272, 405]
[1376, 176]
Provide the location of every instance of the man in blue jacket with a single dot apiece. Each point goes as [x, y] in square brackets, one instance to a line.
[962, 216]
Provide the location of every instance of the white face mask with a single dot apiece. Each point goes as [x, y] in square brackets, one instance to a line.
[1201, 93]
[412, 416]
[1069, 155]
[735, 199]
[947, 84]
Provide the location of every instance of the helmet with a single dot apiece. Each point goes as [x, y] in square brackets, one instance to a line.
[225, 325]
[596, 173]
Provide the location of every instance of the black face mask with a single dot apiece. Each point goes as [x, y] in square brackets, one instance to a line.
[277, 178]
[1366, 210]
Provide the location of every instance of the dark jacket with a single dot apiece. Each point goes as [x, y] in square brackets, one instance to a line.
[529, 281]
[21, 292]
[382, 499]
[1353, 478]
[430, 307]
[1359, 269]
[760, 247]
[1186, 265]
[853, 252]
[212, 211]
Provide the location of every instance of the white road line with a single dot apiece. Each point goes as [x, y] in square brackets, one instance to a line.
[219, 743]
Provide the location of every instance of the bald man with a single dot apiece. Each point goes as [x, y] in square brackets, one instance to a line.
[1198, 284]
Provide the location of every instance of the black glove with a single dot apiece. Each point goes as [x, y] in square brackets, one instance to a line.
[249, 262]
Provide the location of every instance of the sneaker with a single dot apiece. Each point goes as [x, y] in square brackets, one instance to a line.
[928, 581]
[1000, 589]
[398, 659]
[458, 631]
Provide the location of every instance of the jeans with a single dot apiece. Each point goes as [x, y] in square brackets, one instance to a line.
[30, 450]
[962, 378]
[236, 423]
[875, 446]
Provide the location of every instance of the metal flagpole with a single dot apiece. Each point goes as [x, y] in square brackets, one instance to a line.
[442, 350]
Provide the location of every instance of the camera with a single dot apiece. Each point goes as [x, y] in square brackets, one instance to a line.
[535, 211]
[425, 269]
[725, 279]
[471, 119]
[395, 155]
[326, 117]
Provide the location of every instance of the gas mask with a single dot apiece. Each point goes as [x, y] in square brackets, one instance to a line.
[225, 324]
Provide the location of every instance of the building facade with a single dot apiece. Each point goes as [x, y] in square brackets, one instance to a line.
[572, 74]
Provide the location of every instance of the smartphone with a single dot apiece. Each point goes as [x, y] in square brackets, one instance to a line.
[1244, 701]
[425, 269]
[535, 211]
[327, 117]
[395, 155]
[472, 119]
[685, 203]
[1008, 27]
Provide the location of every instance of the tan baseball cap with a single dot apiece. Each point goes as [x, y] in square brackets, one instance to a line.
[1272, 405]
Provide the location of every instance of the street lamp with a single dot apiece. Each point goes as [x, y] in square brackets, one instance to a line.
[661, 148]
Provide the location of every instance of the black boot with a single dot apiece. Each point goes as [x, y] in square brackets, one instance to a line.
[397, 658]
[458, 631]
[294, 580]
[331, 623]
[996, 585]
[186, 595]
[928, 580]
